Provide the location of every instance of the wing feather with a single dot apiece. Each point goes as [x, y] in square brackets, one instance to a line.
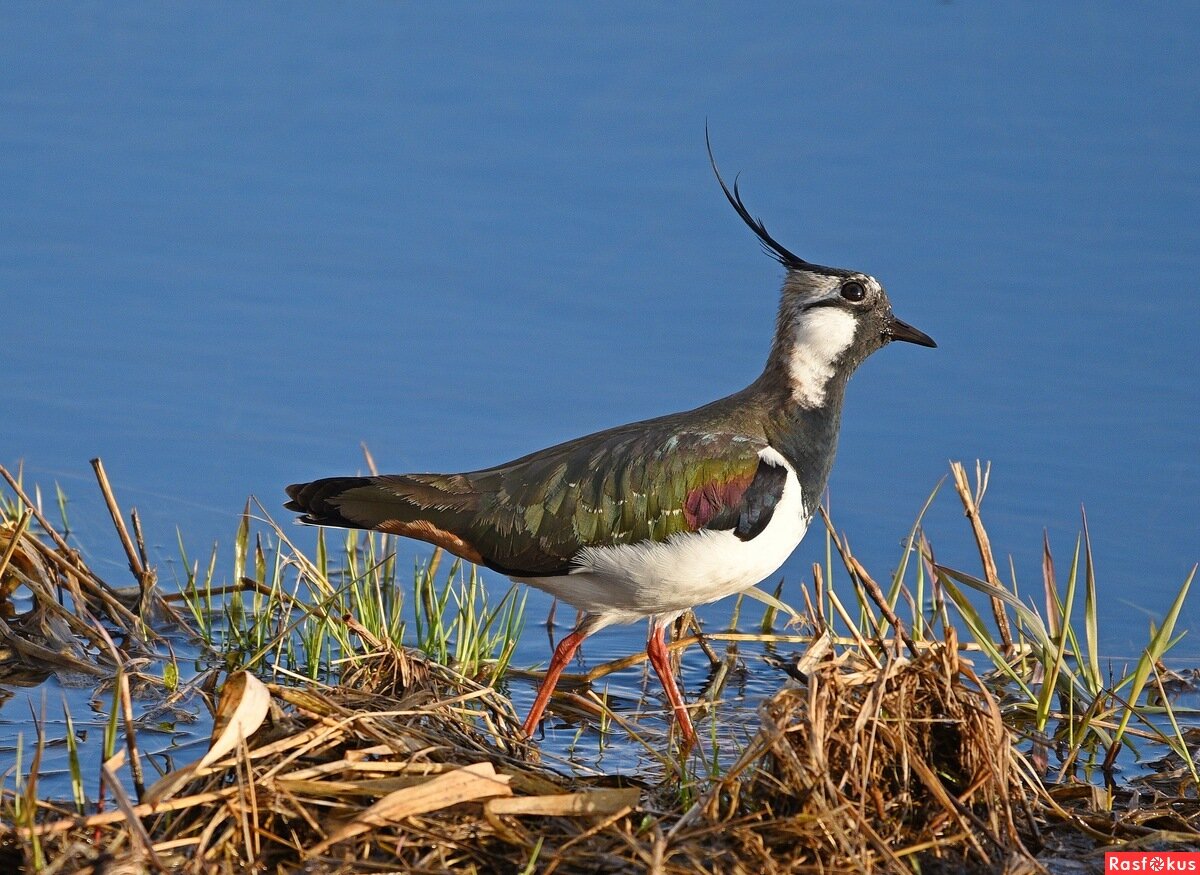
[626, 490]
[533, 516]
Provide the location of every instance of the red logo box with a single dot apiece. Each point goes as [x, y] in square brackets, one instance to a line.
[1152, 862]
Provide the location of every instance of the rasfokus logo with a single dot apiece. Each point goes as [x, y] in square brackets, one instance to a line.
[1152, 861]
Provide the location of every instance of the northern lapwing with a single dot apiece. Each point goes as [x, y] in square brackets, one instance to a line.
[655, 517]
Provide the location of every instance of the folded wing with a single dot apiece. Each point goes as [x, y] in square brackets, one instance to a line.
[530, 517]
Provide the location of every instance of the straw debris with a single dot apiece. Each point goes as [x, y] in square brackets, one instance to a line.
[65, 627]
[885, 753]
[859, 770]
[874, 769]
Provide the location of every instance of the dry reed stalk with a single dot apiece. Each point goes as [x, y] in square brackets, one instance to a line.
[863, 579]
[335, 780]
[50, 636]
[143, 575]
[864, 767]
[971, 500]
[92, 594]
[860, 770]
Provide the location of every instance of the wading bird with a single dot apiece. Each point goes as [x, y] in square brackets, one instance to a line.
[655, 517]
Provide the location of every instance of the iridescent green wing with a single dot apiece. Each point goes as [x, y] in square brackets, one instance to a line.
[620, 487]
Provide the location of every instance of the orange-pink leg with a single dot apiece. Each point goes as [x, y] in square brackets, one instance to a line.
[561, 659]
[656, 650]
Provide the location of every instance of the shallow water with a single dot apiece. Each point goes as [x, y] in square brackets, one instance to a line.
[239, 242]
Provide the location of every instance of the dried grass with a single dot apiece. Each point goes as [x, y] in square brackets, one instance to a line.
[874, 760]
[860, 770]
[71, 608]
[874, 769]
[343, 780]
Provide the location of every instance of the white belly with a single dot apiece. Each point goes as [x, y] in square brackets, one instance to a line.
[624, 583]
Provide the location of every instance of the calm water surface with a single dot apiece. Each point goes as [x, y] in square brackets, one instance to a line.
[235, 242]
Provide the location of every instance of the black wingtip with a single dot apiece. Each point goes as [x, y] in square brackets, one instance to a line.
[769, 244]
[313, 501]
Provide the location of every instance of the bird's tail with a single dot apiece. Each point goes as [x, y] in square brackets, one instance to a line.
[438, 508]
[367, 502]
[316, 501]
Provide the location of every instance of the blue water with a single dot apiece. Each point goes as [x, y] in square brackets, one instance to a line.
[238, 240]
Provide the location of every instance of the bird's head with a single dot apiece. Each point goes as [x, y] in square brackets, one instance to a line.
[830, 319]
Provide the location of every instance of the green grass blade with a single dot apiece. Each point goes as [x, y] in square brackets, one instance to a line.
[1153, 652]
[1091, 622]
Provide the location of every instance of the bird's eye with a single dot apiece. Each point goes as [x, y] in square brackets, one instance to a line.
[853, 291]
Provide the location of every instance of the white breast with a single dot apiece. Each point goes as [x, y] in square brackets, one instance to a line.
[627, 582]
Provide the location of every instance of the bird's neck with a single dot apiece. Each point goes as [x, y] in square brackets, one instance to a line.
[804, 391]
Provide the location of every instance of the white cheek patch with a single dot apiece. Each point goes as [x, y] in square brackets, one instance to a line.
[822, 334]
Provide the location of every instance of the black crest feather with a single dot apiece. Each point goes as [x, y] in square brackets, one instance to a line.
[769, 244]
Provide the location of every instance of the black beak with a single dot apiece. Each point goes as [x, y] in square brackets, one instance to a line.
[903, 331]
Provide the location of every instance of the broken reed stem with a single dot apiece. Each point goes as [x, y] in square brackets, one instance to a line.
[135, 760]
[37, 514]
[147, 580]
[69, 563]
[369, 459]
[819, 593]
[971, 502]
[868, 583]
[43, 593]
[17, 534]
[108, 771]
[135, 563]
[95, 586]
[694, 623]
